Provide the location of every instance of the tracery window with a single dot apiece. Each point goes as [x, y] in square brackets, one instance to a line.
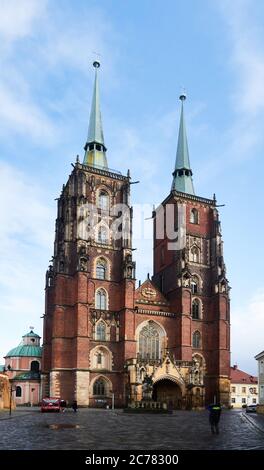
[101, 299]
[101, 270]
[196, 340]
[99, 387]
[100, 331]
[149, 342]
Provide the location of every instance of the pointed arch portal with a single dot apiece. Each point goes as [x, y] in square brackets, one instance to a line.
[168, 391]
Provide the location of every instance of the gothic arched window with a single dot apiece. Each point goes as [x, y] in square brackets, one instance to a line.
[34, 366]
[18, 391]
[197, 340]
[101, 266]
[195, 254]
[100, 331]
[103, 201]
[99, 387]
[196, 309]
[149, 342]
[103, 235]
[101, 299]
[195, 284]
[194, 216]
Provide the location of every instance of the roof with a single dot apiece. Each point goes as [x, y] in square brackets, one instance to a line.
[31, 334]
[182, 175]
[30, 375]
[240, 377]
[2, 368]
[27, 350]
[259, 355]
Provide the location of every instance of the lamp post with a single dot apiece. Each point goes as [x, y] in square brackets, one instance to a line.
[32, 396]
[10, 399]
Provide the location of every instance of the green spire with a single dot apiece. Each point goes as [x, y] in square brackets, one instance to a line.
[95, 148]
[182, 175]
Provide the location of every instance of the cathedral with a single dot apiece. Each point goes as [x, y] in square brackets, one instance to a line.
[105, 337]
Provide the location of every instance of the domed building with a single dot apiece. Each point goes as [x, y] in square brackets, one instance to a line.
[22, 365]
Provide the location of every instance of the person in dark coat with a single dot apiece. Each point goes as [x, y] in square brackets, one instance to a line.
[74, 406]
[214, 417]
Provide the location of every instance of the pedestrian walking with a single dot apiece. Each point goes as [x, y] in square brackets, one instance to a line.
[214, 417]
[74, 406]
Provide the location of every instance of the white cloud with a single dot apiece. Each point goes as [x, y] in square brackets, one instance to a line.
[247, 332]
[246, 57]
[18, 17]
[18, 114]
[26, 239]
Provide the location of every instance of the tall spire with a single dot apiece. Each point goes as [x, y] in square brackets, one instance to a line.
[95, 148]
[182, 175]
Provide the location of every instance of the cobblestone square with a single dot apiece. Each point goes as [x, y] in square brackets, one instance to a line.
[98, 429]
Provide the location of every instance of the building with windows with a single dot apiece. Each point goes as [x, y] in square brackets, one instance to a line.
[244, 388]
[22, 366]
[104, 337]
[260, 358]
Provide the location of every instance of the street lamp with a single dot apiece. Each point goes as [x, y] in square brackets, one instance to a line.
[113, 399]
[32, 396]
[12, 389]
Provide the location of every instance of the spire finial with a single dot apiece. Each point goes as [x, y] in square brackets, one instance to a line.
[182, 175]
[95, 148]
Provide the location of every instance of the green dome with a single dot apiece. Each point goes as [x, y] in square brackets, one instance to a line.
[31, 334]
[25, 350]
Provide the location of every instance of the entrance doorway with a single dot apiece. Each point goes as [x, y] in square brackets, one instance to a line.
[167, 391]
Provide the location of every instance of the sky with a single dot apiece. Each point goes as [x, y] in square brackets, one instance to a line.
[149, 51]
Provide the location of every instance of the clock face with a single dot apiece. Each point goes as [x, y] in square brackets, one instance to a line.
[148, 293]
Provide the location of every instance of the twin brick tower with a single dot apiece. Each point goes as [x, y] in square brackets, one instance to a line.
[104, 338]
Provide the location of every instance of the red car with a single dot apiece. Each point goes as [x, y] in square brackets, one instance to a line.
[50, 404]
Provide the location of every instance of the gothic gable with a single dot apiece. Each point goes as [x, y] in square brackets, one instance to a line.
[149, 294]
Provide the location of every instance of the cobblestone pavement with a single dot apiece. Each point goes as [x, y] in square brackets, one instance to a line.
[107, 429]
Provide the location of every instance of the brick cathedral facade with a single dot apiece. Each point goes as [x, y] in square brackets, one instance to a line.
[104, 338]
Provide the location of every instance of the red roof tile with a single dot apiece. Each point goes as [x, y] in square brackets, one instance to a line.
[240, 377]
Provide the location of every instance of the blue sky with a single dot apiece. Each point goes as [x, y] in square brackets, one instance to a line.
[149, 50]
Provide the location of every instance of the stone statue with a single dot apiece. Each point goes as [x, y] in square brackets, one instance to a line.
[147, 388]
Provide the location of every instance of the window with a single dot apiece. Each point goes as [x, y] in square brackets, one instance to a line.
[254, 400]
[196, 309]
[100, 332]
[194, 216]
[196, 339]
[99, 387]
[103, 201]
[233, 400]
[194, 254]
[233, 389]
[254, 390]
[99, 358]
[18, 391]
[101, 268]
[149, 342]
[194, 285]
[101, 299]
[243, 401]
[244, 390]
[103, 235]
[32, 340]
[34, 366]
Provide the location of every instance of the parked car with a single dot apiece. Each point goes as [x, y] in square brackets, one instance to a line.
[50, 404]
[251, 409]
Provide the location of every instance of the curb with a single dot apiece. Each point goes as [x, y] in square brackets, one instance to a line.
[253, 423]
